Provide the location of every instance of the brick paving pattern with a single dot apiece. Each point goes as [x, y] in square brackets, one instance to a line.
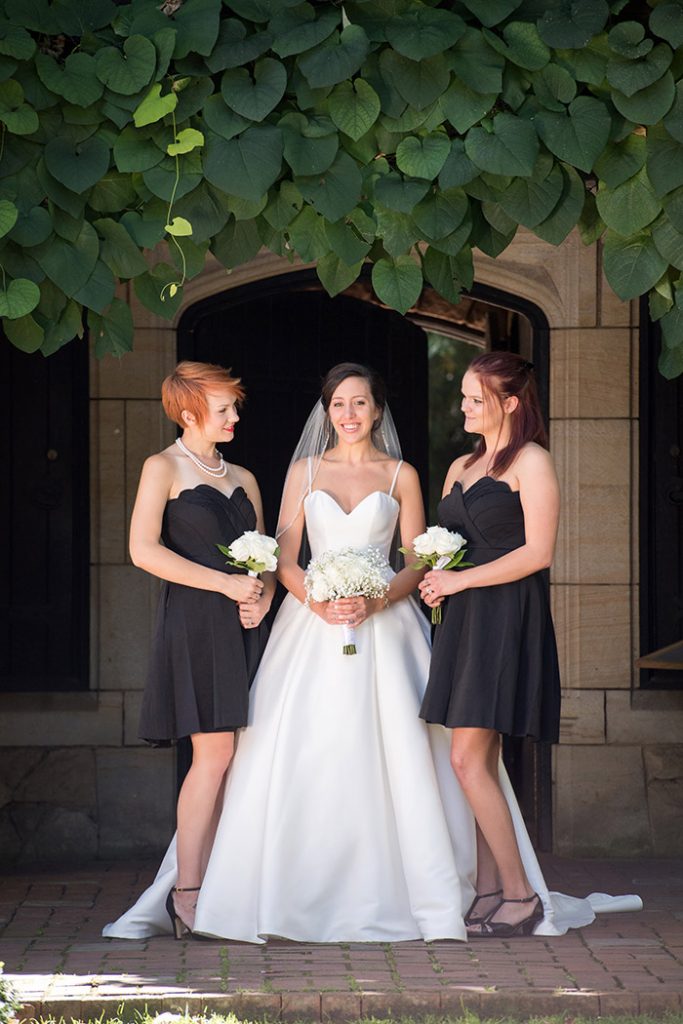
[50, 923]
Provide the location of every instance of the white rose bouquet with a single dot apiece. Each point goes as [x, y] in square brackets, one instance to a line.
[438, 548]
[349, 572]
[252, 551]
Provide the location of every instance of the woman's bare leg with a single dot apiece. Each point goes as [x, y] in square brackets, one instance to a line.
[197, 802]
[474, 756]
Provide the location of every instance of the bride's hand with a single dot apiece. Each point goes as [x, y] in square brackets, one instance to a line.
[252, 613]
[351, 611]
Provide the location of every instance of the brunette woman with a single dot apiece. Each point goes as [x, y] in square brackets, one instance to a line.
[207, 643]
[494, 665]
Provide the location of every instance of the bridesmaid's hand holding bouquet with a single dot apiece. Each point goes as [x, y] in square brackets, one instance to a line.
[437, 548]
[256, 553]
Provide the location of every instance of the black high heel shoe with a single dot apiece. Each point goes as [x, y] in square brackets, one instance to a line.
[470, 918]
[503, 929]
[177, 923]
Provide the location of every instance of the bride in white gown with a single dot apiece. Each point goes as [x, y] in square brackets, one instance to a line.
[342, 819]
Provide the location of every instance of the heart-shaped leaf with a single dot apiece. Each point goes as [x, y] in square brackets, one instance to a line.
[440, 212]
[439, 271]
[422, 31]
[77, 166]
[630, 76]
[335, 275]
[301, 28]
[648, 106]
[69, 264]
[112, 332]
[20, 297]
[397, 193]
[135, 150]
[307, 235]
[154, 106]
[632, 265]
[186, 140]
[354, 107]
[336, 59]
[673, 122]
[235, 48]
[309, 147]
[667, 21]
[628, 40]
[179, 227]
[565, 216]
[529, 202]
[337, 191]
[8, 216]
[130, 71]
[420, 83]
[574, 24]
[76, 80]
[477, 64]
[511, 147]
[20, 118]
[630, 206]
[246, 166]
[464, 107]
[423, 156]
[255, 98]
[580, 135]
[621, 160]
[397, 282]
[24, 333]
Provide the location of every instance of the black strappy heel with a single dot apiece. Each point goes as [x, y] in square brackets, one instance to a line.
[177, 923]
[470, 919]
[504, 930]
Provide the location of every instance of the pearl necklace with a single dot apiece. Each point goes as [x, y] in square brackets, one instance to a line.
[217, 471]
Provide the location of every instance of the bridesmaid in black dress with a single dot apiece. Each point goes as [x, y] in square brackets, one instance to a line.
[207, 640]
[494, 665]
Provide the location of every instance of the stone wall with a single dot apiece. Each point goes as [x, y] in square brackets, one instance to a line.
[79, 784]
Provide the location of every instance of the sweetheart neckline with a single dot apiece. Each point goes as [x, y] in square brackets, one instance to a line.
[210, 487]
[493, 479]
[319, 490]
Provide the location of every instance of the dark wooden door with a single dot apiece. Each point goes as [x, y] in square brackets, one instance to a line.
[45, 525]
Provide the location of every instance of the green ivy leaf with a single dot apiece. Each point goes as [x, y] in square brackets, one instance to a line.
[337, 59]
[338, 190]
[154, 106]
[8, 216]
[565, 216]
[629, 76]
[197, 23]
[346, 243]
[19, 298]
[397, 282]
[491, 12]
[649, 105]
[511, 147]
[628, 40]
[669, 241]
[76, 80]
[421, 31]
[477, 64]
[438, 269]
[529, 201]
[254, 99]
[574, 24]
[664, 161]
[310, 146]
[458, 169]
[440, 212]
[221, 119]
[621, 160]
[69, 265]
[354, 107]
[130, 71]
[673, 207]
[666, 20]
[33, 226]
[98, 290]
[118, 250]
[24, 333]
[521, 44]
[15, 41]
[246, 166]
[579, 136]
[77, 166]
[420, 83]
[113, 331]
[630, 206]
[186, 140]
[423, 156]
[301, 28]
[400, 194]
[398, 233]
[463, 107]
[135, 150]
[20, 118]
[335, 275]
[673, 122]
[308, 236]
[632, 265]
[283, 206]
[149, 287]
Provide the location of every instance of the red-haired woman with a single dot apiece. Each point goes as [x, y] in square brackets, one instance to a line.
[494, 665]
[206, 644]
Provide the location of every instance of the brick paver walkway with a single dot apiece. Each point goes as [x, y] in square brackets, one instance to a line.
[50, 922]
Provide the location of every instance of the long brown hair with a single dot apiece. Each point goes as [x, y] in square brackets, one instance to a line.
[505, 375]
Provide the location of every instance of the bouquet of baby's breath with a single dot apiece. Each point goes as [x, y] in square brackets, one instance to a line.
[349, 572]
[438, 548]
[252, 551]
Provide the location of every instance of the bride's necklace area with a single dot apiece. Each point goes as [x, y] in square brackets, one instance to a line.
[216, 471]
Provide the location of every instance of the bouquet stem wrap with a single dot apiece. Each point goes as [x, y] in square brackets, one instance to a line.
[349, 633]
[349, 572]
[438, 548]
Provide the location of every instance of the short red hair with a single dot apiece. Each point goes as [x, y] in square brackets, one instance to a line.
[187, 387]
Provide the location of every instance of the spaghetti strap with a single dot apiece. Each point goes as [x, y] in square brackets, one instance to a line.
[393, 482]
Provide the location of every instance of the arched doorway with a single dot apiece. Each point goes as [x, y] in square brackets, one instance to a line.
[281, 334]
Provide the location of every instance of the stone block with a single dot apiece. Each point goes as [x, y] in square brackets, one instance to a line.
[131, 716]
[51, 833]
[590, 373]
[60, 719]
[593, 628]
[65, 778]
[627, 723]
[613, 311]
[107, 474]
[136, 798]
[140, 373]
[147, 431]
[561, 280]
[600, 802]
[583, 716]
[593, 463]
[128, 604]
[664, 774]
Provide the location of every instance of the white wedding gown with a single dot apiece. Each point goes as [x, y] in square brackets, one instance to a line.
[342, 818]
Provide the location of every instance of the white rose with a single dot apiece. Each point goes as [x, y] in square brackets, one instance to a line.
[240, 548]
[446, 542]
[423, 545]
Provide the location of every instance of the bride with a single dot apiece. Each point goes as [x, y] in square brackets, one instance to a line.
[342, 818]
